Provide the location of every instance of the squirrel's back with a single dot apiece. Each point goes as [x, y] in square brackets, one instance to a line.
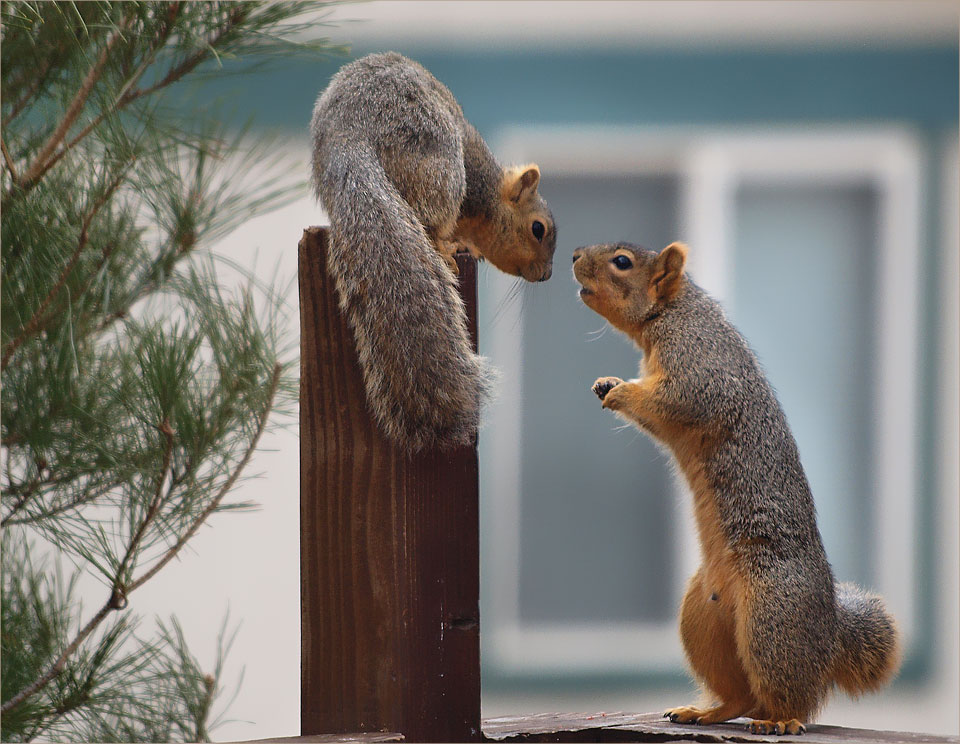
[756, 464]
[388, 169]
[399, 110]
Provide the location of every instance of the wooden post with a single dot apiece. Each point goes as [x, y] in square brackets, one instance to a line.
[389, 548]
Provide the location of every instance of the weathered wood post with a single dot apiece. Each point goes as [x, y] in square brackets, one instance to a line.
[389, 548]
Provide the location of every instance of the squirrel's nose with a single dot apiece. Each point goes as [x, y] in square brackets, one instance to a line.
[576, 254]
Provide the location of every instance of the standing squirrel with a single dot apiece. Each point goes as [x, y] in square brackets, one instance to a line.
[407, 182]
[766, 630]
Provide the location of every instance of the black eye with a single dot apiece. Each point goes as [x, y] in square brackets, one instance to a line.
[622, 262]
[538, 229]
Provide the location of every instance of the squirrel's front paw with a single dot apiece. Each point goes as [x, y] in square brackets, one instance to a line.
[604, 385]
[448, 250]
[469, 249]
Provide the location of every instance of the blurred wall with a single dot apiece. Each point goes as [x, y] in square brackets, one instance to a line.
[775, 138]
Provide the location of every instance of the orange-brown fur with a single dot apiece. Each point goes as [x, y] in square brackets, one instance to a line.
[517, 206]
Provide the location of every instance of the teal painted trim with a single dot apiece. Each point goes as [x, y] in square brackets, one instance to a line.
[916, 85]
[709, 87]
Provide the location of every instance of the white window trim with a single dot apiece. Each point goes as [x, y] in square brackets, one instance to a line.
[948, 393]
[711, 164]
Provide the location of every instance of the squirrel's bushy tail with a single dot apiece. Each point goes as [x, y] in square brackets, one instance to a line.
[868, 652]
[424, 384]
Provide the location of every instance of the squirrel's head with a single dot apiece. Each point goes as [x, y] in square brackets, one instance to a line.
[629, 285]
[531, 234]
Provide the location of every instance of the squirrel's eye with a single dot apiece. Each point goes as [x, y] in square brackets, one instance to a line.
[538, 229]
[622, 262]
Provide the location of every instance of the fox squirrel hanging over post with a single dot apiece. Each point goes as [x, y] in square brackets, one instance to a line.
[407, 183]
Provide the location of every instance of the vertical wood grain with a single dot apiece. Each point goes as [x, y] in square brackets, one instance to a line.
[389, 548]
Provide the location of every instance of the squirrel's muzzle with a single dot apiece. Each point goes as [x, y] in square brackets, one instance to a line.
[533, 273]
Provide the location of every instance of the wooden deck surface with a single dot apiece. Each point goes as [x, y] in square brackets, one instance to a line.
[647, 727]
[637, 727]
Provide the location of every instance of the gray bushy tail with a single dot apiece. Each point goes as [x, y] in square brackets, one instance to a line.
[424, 384]
[868, 649]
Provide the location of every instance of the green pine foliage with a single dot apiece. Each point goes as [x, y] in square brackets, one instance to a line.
[135, 388]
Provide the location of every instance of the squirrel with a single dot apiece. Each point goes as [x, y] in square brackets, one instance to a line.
[766, 630]
[408, 182]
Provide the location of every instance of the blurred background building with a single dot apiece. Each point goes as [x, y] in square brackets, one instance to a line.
[807, 153]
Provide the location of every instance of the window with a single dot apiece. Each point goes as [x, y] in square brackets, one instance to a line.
[811, 241]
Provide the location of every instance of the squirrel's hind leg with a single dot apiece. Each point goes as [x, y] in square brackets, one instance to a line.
[786, 643]
[707, 632]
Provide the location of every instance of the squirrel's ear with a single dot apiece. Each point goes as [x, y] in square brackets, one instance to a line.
[521, 183]
[667, 271]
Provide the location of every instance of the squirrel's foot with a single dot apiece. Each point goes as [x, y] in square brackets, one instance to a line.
[793, 727]
[706, 716]
[684, 714]
[603, 386]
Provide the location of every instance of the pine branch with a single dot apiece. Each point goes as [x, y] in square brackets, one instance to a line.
[31, 91]
[237, 17]
[86, 238]
[23, 487]
[26, 490]
[61, 661]
[118, 597]
[27, 494]
[35, 323]
[90, 494]
[40, 164]
[152, 510]
[173, 75]
[9, 161]
[212, 506]
[59, 713]
[104, 257]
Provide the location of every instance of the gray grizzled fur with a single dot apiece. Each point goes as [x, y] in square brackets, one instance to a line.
[382, 120]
